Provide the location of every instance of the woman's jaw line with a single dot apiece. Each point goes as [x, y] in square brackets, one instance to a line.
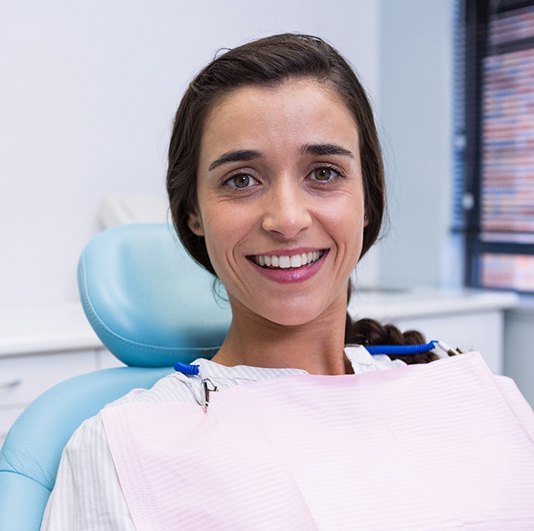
[258, 341]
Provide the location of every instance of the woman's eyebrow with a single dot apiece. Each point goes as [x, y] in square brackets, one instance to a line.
[234, 156]
[250, 154]
[326, 149]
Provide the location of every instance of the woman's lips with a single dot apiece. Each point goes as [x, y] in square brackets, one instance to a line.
[284, 261]
[285, 269]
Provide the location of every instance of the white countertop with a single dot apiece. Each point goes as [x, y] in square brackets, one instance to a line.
[396, 304]
[63, 327]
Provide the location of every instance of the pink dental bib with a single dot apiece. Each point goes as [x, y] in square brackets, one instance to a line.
[440, 446]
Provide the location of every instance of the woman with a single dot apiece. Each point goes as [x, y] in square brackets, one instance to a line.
[276, 186]
[292, 62]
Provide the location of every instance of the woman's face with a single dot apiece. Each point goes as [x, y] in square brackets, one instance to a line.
[280, 200]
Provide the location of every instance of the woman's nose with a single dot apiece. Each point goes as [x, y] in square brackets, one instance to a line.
[286, 211]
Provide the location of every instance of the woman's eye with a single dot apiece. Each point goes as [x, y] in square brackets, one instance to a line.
[324, 174]
[241, 180]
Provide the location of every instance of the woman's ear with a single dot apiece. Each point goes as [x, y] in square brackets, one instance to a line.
[365, 219]
[194, 222]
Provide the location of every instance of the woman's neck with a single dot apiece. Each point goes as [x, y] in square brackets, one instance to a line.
[316, 347]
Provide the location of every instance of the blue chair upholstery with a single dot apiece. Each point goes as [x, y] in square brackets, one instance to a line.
[147, 300]
[151, 306]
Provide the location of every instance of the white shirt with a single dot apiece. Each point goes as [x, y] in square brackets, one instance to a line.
[87, 494]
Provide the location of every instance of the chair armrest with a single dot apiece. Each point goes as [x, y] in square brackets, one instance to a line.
[30, 456]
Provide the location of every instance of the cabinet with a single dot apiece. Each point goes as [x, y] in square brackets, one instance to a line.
[40, 347]
[24, 377]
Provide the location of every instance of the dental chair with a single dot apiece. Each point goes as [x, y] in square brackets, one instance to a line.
[151, 305]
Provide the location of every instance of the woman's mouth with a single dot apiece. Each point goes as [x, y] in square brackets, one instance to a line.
[285, 261]
[287, 269]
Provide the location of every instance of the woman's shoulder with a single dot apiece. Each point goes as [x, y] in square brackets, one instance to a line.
[174, 387]
[362, 361]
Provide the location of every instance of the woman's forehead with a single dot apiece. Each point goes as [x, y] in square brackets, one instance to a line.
[291, 114]
[292, 90]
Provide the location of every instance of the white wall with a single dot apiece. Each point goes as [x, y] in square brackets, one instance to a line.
[416, 82]
[518, 341]
[86, 102]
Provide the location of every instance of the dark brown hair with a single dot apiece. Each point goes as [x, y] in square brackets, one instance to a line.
[268, 62]
[370, 332]
[271, 61]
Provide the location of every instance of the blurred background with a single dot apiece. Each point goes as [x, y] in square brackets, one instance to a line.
[87, 98]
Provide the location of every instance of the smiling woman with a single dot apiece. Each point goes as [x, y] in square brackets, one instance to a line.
[279, 176]
[261, 67]
[276, 187]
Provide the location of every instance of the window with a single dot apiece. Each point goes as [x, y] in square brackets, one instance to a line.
[496, 209]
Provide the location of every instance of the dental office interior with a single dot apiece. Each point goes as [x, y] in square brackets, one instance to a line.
[88, 96]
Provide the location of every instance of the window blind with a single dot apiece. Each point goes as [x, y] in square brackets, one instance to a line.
[500, 239]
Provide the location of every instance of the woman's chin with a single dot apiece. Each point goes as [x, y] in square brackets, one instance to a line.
[300, 317]
[289, 311]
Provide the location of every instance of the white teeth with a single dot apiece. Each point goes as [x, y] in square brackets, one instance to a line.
[285, 262]
[296, 261]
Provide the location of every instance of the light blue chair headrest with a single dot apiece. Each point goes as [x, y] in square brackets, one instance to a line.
[147, 300]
